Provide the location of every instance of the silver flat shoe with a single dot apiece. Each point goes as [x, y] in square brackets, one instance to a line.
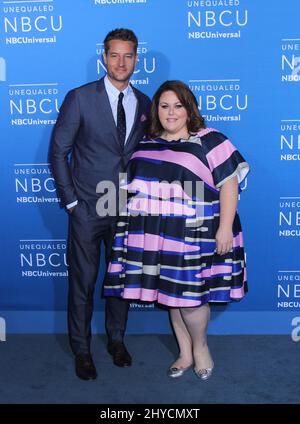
[175, 372]
[205, 373]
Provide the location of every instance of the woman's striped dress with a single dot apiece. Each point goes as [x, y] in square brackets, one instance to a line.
[164, 247]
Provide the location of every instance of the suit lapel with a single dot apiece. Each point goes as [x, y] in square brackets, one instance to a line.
[105, 109]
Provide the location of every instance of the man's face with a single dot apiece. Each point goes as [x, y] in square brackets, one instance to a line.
[120, 60]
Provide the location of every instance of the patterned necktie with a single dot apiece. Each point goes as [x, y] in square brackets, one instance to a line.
[121, 120]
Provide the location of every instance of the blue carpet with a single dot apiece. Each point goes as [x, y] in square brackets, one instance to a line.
[39, 369]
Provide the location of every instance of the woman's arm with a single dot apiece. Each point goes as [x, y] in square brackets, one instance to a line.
[228, 204]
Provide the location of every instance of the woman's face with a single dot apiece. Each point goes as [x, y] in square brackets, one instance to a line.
[172, 115]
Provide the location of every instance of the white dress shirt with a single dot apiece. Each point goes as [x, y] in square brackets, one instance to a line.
[129, 103]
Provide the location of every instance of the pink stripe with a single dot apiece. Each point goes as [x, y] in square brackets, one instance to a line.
[157, 189]
[177, 302]
[238, 240]
[158, 207]
[137, 293]
[147, 295]
[203, 274]
[187, 160]
[115, 267]
[221, 269]
[220, 154]
[153, 242]
[214, 270]
[237, 293]
[205, 131]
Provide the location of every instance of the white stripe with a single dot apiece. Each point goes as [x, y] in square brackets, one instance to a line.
[213, 80]
[220, 289]
[32, 85]
[120, 286]
[288, 271]
[198, 239]
[27, 1]
[187, 257]
[182, 268]
[173, 280]
[43, 240]
[31, 164]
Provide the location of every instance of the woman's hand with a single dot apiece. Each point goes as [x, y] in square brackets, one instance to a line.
[224, 240]
[228, 203]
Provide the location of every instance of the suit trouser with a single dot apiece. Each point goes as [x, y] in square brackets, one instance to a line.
[84, 242]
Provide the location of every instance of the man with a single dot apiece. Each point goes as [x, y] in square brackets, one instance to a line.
[99, 125]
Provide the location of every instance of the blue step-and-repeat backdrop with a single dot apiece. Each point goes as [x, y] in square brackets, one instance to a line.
[241, 58]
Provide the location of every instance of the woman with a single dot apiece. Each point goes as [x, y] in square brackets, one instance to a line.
[180, 242]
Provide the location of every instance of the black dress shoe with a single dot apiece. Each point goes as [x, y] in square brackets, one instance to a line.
[120, 354]
[84, 366]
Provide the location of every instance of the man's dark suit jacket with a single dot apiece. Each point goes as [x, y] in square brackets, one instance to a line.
[86, 129]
